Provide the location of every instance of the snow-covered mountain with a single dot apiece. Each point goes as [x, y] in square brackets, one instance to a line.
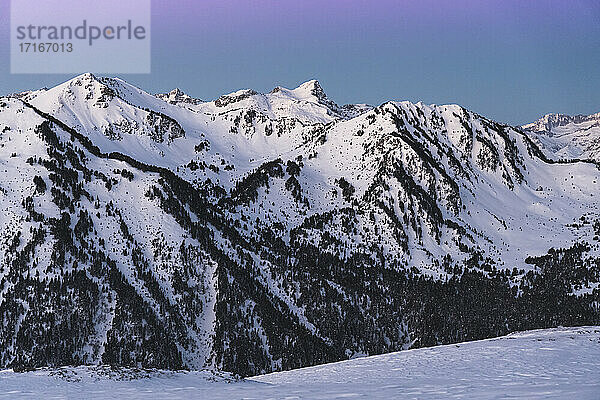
[565, 137]
[261, 232]
[176, 96]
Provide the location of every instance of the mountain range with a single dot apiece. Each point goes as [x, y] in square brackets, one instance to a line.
[567, 137]
[264, 232]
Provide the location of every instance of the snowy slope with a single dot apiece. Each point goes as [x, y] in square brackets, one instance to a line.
[507, 193]
[113, 220]
[568, 137]
[481, 175]
[544, 364]
[234, 133]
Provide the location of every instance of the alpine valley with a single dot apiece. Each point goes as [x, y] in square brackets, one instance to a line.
[265, 232]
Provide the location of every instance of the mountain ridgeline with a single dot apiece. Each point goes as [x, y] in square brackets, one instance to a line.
[264, 232]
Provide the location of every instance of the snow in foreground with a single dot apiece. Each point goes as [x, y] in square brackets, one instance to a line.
[554, 363]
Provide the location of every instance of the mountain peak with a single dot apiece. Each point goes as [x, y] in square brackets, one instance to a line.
[83, 87]
[554, 120]
[312, 92]
[178, 96]
[85, 76]
[567, 137]
[312, 88]
[311, 84]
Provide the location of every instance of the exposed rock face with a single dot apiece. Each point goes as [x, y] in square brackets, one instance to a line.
[565, 137]
[176, 96]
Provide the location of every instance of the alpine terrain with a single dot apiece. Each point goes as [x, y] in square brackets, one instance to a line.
[264, 232]
[567, 137]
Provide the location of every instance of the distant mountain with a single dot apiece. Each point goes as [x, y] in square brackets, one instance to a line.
[260, 232]
[568, 137]
[176, 96]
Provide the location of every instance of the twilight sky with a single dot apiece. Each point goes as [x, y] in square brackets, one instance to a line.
[510, 60]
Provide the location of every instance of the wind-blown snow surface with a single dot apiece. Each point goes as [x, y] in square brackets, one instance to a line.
[561, 363]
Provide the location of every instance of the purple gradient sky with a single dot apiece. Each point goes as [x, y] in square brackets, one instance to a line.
[509, 60]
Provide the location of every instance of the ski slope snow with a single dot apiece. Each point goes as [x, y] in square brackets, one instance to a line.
[562, 363]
